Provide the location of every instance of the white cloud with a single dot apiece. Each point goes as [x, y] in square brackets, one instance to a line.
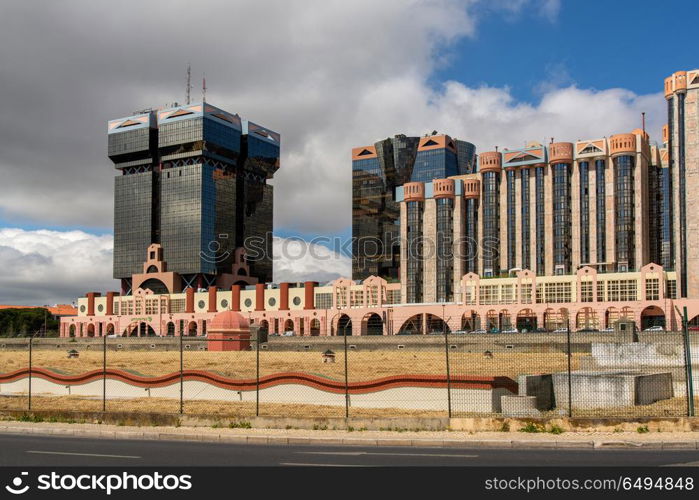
[298, 260]
[47, 267]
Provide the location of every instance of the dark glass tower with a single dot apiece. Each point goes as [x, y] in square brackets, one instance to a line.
[193, 179]
[376, 172]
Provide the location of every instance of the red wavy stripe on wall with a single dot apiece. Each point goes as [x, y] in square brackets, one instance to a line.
[320, 383]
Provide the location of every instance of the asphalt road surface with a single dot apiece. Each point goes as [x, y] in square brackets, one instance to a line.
[19, 450]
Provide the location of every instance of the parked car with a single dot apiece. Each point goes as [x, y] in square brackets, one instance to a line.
[540, 330]
[510, 330]
[588, 330]
[289, 334]
[494, 330]
[436, 332]
[480, 330]
[607, 330]
[460, 332]
[693, 328]
[560, 330]
[656, 328]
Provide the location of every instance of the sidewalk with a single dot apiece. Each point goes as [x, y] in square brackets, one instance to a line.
[431, 439]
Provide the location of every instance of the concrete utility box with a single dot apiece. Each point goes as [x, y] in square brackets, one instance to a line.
[612, 389]
[259, 334]
[541, 387]
[625, 331]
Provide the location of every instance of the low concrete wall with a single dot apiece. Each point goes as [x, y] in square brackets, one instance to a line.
[612, 389]
[464, 400]
[539, 386]
[633, 355]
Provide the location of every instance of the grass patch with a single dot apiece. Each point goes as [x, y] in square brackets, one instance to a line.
[240, 424]
[532, 428]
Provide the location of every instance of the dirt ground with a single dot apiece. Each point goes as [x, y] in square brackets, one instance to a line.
[362, 366]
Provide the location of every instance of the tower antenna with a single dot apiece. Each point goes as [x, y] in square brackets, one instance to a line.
[203, 89]
[188, 89]
[643, 122]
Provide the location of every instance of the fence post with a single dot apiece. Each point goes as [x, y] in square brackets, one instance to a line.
[181, 375]
[30, 374]
[257, 376]
[688, 363]
[570, 382]
[446, 351]
[104, 373]
[347, 400]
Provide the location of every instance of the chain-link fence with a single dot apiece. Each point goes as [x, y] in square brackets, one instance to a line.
[431, 372]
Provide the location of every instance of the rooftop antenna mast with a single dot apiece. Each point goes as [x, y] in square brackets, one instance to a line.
[188, 90]
[203, 89]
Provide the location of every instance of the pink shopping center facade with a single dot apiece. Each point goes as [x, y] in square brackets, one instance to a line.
[585, 300]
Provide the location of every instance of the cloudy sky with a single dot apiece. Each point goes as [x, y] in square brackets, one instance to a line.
[328, 75]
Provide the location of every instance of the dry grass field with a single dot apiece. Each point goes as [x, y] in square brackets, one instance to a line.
[198, 407]
[362, 365]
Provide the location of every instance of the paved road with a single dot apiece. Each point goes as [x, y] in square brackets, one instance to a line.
[69, 451]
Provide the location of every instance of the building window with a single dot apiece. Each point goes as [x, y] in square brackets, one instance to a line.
[272, 301]
[100, 308]
[177, 305]
[671, 289]
[540, 222]
[526, 239]
[322, 300]
[488, 294]
[586, 291]
[601, 211]
[444, 249]
[414, 251]
[469, 295]
[653, 289]
[297, 301]
[562, 219]
[393, 296]
[491, 223]
[625, 219]
[621, 290]
[557, 292]
[511, 220]
[508, 294]
[583, 167]
[601, 288]
[248, 302]
[201, 304]
[224, 304]
[471, 225]
[526, 293]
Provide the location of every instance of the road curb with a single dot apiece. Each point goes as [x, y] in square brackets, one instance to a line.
[261, 439]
